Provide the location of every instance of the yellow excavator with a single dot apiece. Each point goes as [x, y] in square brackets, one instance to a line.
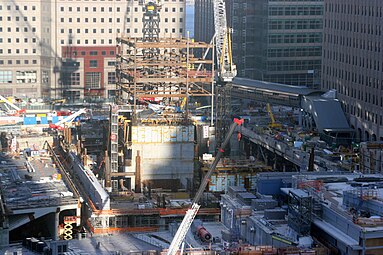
[273, 123]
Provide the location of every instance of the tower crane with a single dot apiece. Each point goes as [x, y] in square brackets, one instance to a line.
[192, 212]
[226, 68]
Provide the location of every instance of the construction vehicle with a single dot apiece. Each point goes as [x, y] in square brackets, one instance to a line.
[67, 120]
[273, 123]
[11, 108]
[192, 212]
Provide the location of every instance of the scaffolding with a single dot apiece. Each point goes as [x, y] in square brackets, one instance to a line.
[169, 76]
[299, 213]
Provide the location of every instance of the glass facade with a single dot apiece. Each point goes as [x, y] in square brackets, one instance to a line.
[278, 40]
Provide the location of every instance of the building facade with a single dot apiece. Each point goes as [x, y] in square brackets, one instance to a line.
[353, 63]
[273, 40]
[26, 52]
[42, 44]
[203, 20]
[287, 41]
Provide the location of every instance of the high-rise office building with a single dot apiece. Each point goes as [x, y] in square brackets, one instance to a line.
[203, 20]
[287, 40]
[273, 40]
[353, 63]
[67, 48]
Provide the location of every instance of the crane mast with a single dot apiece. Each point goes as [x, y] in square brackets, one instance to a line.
[192, 212]
[226, 68]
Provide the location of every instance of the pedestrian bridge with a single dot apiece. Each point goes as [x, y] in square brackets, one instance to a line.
[320, 110]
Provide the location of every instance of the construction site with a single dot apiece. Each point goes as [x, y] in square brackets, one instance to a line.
[190, 160]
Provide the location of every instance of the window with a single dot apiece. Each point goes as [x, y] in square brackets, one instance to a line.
[92, 80]
[111, 63]
[45, 77]
[93, 63]
[5, 76]
[103, 53]
[71, 79]
[111, 53]
[111, 77]
[26, 76]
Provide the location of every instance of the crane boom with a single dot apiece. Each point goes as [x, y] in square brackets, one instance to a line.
[227, 70]
[192, 212]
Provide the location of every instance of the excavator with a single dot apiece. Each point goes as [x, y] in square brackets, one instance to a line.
[273, 123]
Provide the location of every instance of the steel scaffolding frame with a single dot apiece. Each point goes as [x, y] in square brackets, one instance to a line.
[299, 212]
[172, 74]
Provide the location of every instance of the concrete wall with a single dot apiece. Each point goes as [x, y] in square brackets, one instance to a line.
[165, 161]
[167, 153]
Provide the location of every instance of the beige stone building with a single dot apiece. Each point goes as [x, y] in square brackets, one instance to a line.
[67, 48]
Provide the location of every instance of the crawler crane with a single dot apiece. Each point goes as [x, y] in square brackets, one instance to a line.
[192, 212]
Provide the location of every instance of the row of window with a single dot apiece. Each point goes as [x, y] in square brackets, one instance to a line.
[354, 60]
[110, 41]
[294, 65]
[18, 62]
[294, 52]
[295, 24]
[91, 53]
[354, 77]
[92, 79]
[295, 38]
[18, 51]
[17, 8]
[359, 27]
[21, 76]
[355, 9]
[110, 20]
[356, 43]
[17, 18]
[17, 29]
[118, 9]
[295, 10]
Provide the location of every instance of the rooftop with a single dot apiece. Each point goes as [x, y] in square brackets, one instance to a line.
[32, 182]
